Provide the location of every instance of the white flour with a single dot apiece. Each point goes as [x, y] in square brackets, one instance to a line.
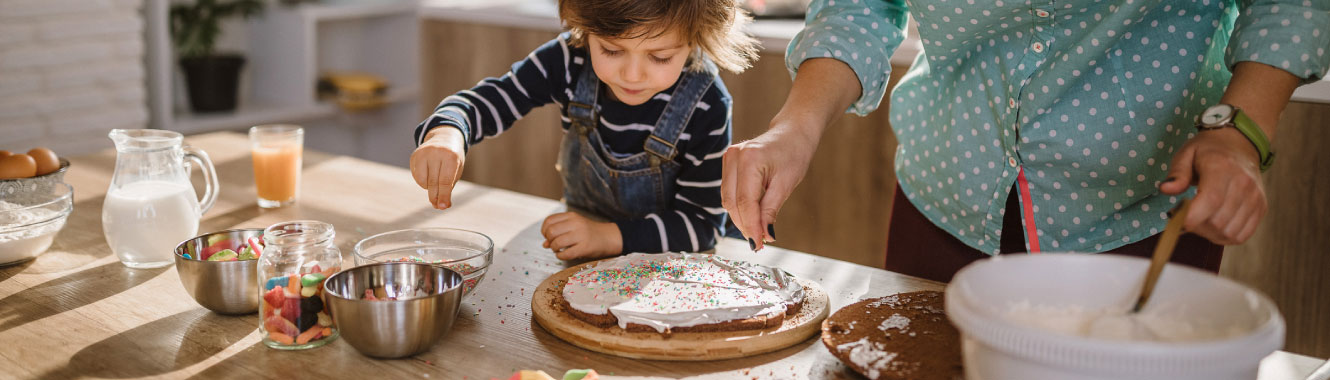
[22, 245]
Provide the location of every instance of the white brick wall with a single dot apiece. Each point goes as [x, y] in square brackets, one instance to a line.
[70, 70]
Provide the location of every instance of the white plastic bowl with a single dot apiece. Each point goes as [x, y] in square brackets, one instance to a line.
[993, 347]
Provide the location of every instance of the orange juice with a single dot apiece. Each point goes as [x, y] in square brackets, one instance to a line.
[277, 172]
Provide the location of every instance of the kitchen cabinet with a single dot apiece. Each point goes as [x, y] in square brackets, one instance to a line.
[842, 207]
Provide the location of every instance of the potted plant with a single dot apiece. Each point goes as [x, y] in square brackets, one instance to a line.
[211, 78]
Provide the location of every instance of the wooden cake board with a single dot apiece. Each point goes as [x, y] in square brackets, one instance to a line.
[683, 346]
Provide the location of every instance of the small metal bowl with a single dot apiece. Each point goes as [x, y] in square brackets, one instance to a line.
[428, 298]
[226, 287]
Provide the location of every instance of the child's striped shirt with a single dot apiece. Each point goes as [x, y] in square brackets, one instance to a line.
[548, 75]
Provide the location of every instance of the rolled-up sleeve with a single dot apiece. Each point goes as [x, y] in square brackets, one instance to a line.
[861, 33]
[1292, 35]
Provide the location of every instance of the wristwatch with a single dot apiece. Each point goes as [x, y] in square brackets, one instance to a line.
[1227, 115]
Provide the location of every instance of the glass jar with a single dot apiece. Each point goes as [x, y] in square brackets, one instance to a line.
[297, 257]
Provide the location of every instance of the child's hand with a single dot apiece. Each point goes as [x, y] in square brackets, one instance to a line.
[572, 236]
[437, 164]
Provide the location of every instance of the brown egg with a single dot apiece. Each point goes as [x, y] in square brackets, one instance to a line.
[46, 160]
[17, 166]
[5, 153]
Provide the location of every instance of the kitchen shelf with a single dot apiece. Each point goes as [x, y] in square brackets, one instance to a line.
[286, 49]
[249, 115]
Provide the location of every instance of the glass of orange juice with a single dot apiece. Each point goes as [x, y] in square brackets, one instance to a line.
[276, 151]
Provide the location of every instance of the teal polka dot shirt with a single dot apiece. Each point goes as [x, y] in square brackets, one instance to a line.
[1079, 104]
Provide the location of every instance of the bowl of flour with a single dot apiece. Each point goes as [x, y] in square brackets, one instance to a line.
[1066, 317]
[29, 221]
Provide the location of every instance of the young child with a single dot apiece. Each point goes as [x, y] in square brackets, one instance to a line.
[645, 118]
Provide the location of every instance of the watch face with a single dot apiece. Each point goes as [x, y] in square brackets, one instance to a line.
[1219, 114]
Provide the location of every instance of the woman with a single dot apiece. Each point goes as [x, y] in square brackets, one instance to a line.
[1031, 127]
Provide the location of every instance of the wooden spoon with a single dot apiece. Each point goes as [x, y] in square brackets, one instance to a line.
[1163, 251]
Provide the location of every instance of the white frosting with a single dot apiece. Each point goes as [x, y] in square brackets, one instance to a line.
[1118, 324]
[680, 289]
[867, 355]
[895, 321]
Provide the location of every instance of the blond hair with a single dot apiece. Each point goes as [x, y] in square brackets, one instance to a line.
[714, 28]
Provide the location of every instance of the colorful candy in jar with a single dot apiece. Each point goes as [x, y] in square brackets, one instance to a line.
[293, 311]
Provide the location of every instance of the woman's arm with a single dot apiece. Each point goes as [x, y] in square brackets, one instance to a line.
[759, 174]
[1223, 164]
[1275, 46]
[842, 62]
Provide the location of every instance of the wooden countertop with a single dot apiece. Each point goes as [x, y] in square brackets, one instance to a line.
[76, 311]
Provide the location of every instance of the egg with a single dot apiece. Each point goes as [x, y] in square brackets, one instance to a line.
[46, 160]
[5, 153]
[17, 166]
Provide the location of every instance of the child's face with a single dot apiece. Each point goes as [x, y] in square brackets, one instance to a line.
[635, 69]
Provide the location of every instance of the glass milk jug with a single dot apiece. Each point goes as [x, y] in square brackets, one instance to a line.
[151, 205]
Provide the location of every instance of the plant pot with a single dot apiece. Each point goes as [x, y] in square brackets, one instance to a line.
[212, 81]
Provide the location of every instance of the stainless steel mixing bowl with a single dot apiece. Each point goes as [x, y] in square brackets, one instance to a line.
[427, 300]
[226, 287]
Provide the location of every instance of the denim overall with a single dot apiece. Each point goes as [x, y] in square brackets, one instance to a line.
[624, 188]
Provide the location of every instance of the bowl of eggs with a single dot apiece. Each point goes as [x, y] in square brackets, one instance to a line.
[35, 173]
[34, 203]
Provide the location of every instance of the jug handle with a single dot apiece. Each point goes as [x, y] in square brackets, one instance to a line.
[210, 186]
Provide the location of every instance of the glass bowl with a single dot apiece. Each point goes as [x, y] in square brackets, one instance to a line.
[34, 190]
[468, 253]
[29, 221]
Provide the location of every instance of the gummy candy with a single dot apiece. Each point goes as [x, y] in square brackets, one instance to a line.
[308, 335]
[223, 255]
[311, 279]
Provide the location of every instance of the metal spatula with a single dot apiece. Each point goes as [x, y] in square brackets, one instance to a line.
[1163, 251]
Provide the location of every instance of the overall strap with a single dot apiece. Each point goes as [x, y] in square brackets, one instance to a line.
[582, 107]
[661, 144]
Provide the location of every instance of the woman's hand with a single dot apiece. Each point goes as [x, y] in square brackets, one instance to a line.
[1223, 164]
[1230, 197]
[437, 164]
[573, 236]
[760, 174]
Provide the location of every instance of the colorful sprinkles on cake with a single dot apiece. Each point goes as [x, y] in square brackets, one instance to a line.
[669, 290]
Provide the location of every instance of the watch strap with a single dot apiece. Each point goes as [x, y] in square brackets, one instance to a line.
[1257, 137]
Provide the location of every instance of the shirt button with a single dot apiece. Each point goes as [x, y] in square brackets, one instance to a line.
[1011, 102]
[1038, 47]
[1041, 13]
[1011, 161]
